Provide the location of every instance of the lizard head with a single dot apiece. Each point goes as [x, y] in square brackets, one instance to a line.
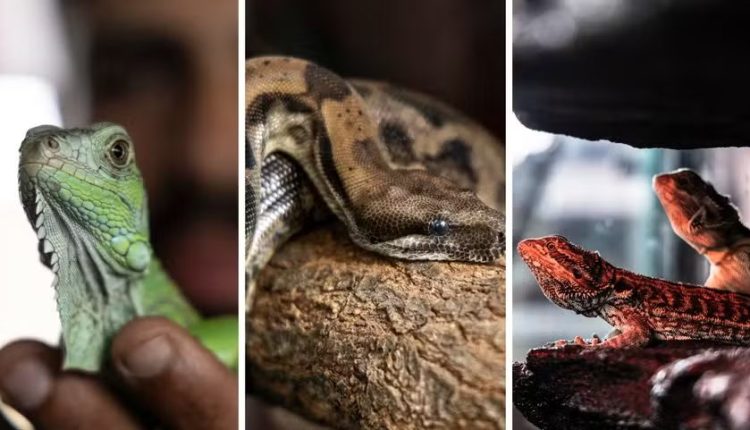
[698, 214]
[81, 190]
[420, 216]
[569, 276]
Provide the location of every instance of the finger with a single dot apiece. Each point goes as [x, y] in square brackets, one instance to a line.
[31, 382]
[180, 381]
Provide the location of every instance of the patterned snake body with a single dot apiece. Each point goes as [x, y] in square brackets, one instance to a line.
[402, 172]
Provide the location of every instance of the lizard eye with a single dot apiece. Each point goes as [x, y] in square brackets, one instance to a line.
[577, 274]
[438, 227]
[696, 224]
[119, 153]
[52, 144]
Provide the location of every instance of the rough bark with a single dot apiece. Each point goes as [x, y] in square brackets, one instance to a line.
[569, 388]
[350, 339]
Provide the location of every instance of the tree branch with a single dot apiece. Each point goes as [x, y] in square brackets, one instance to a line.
[351, 339]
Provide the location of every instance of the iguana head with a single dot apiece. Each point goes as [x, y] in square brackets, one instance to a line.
[81, 190]
[698, 214]
[569, 276]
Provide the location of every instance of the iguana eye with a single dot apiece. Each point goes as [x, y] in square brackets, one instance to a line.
[119, 153]
[438, 227]
[52, 144]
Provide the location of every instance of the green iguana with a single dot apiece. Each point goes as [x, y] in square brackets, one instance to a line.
[84, 195]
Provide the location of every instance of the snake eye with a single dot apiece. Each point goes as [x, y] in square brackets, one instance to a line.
[438, 227]
[119, 153]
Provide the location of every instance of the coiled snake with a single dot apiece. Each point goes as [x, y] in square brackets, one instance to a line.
[409, 177]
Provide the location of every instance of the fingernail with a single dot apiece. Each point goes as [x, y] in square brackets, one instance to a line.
[149, 358]
[26, 385]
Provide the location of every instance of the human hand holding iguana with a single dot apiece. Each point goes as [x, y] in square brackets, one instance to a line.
[166, 375]
[84, 196]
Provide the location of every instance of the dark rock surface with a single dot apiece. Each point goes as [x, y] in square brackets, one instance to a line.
[710, 390]
[576, 388]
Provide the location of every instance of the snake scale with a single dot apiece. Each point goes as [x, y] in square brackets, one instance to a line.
[409, 177]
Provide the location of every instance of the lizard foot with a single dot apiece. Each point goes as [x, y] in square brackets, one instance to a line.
[580, 341]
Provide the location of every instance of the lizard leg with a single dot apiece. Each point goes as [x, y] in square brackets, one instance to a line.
[632, 332]
[578, 340]
[219, 335]
[631, 336]
[614, 332]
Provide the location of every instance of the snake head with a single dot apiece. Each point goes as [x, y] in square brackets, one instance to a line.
[420, 216]
[82, 186]
[698, 214]
[568, 275]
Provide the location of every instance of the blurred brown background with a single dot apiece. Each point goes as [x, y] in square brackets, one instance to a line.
[168, 71]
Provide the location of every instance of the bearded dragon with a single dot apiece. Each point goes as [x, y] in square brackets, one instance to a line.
[640, 307]
[84, 196]
[710, 223]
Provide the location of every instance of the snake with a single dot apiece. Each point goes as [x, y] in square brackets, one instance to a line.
[408, 176]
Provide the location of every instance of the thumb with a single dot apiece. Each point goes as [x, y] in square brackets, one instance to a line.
[174, 377]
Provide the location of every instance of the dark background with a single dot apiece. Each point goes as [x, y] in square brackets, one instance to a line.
[451, 49]
[669, 73]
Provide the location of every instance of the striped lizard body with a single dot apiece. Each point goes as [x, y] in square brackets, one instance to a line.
[641, 308]
[408, 177]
